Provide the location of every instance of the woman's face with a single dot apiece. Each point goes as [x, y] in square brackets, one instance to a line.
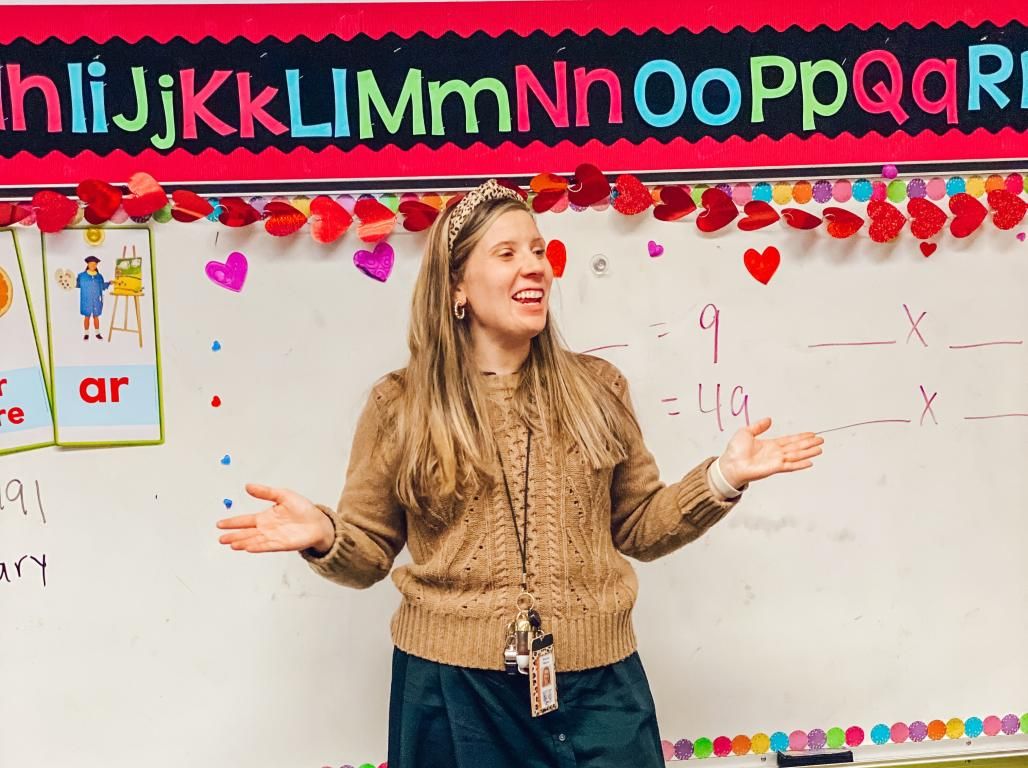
[506, 281]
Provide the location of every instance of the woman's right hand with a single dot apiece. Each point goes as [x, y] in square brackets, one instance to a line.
[291, 524]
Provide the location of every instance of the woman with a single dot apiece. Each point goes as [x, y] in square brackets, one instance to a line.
[91, 285]
[517, 475]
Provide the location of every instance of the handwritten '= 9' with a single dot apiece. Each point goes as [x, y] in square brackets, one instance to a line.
[714, 322]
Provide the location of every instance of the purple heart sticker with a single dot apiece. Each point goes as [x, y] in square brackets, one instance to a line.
[377, 264]
[655, 249]
[231, 274]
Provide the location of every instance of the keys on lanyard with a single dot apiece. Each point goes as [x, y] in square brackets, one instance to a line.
[526, 627]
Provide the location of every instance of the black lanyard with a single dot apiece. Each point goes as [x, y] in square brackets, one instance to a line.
[522, 544]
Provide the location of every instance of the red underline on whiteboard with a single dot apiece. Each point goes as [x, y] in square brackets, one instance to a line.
[851, 344]
[863, 423]
[597, 349]
[997, 416]
[982, 344]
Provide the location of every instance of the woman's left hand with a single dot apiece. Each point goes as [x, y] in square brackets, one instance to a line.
[747, 459]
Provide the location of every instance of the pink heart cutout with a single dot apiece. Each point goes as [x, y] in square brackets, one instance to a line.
[655, 249]
[231, 274]
[377, 264]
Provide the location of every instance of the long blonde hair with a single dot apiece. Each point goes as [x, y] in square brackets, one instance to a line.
[441, 419]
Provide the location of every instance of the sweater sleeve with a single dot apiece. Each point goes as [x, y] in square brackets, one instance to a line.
[370, 524]
[648, 518]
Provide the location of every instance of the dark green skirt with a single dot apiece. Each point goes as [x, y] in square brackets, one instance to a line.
[442, 716]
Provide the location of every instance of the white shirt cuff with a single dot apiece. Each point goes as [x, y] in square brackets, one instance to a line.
[718, 483]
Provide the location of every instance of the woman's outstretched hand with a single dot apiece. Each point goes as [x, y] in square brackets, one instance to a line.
[291, 524]
[747, 459]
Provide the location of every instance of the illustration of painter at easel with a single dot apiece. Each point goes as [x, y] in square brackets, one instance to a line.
[91, 285]
[128, 284]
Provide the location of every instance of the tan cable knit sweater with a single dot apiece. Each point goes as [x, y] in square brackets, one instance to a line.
[459, 591]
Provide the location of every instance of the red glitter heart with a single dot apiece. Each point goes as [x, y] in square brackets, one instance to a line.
[926, 218]
[54, 211]
[886, 221]
[632, 197]
[1009, 208]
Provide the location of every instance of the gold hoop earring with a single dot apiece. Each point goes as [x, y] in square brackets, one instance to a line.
[458, 310]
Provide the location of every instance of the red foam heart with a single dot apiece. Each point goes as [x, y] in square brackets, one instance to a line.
[886, 221]
[798, 219]
[632, 197]
[281, 219]
[557, 254]
[590, 186]
[926, 248]
[376, 221]
[841, 222]
[101, 199]
[762, 264]
[188, 206]
[54, 211]
[926, 218]
[329, 220]
[12, 213]
[145, 196]
[759, 214]
[675, 202]
[417, 215]
[236, 212]
[1009, 209]
[718, 210]
[969, 214]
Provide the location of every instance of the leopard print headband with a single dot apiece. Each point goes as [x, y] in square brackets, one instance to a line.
[490, 190]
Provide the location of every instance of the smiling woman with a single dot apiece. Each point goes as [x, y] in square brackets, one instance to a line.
[515, 472]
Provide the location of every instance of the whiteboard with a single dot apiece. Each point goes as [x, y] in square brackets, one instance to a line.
[886, 585]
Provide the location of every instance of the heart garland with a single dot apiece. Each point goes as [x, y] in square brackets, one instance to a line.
[143, 197]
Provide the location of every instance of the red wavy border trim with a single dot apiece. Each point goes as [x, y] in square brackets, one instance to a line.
[181, 167]
[287, 21]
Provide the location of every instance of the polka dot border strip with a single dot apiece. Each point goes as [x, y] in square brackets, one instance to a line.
[854, 736]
